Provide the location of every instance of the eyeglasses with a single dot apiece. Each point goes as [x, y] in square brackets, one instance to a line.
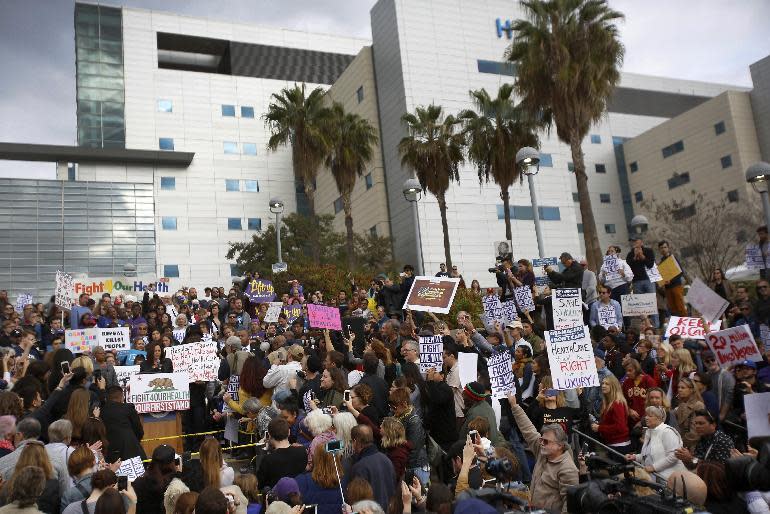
[546, 442]
[762, 287]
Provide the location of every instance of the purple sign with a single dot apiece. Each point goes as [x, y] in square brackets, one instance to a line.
[260, 291]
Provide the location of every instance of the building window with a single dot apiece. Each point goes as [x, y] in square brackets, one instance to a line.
[524, 212]
[373, 231]
[679, 180]
[719, 128]
[638, 196]
[171, 270]
[232, 184]
[634, 167]
[690, 251]
[165, 106]
[255, 224]
[228, 110]
[247, 112]
[546, 160]
[337, 205]
[251, 186]
[596, 139]
[496, 68]
[741, 236]
[575, 197]
[684, 213]
[609, 228]
[72, 171]
[732, 196]
[369, 181]
[231, 148]
[235, 271]
[249, 149]
[580, 228]
[726, 161]
[571, 167]
[604, 198]
[234, 224]
[166, 143]
[672, 149]
[168, 183]
[360, 94]
[168, 222]
[600, 168]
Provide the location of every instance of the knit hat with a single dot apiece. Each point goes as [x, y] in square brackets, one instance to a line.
[284, 487]
[475, 391]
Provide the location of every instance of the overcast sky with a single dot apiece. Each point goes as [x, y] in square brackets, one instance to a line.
[682, 38]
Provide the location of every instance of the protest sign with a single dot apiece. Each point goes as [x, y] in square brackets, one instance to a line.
[160, 392]
[198, 360]
[654, 274]
[546, 261]
[688, 328]
[572, 358]
[710, 305]
[669, 268]
[63, 295]
[607, 317]
[232, 389]
[611, 267]
[292, 312]
[273, 311]
[432, 294]
[119, 286]
[124, 373]
[431, 353]
[644, 304]
[132, 468]
[118, 338]
[524, 298]
[468, 363]
[260, 291]
[128, 357]
[501, 378]
[509, 312]
[494, 310]
[322, 316]
[764, 336]
[754, 257]
[733, 345]
[81, 340]
[567, 308]
[22, 301]
[757, 406]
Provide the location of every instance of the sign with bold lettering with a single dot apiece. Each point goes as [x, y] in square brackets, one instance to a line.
[754, 257]
[732, 345]
[431, 353]
[64, 296]
[432, 294]
[198, 360]
[260, 291]
[611, 267]
[524, 298]
[501, 378]
[494, 310]
[119, 285]
[546, 261]
[160, 392]
[322, 316]
[232, 389]
[607, 316]
[572, 358]
[22, 301]
[688, 328]
[567, 308]
[644, 304]
[132, 468]
[292, 312]
[124, 373]
[273, 311]
[81, 340]
[112, 339]
[710, 305]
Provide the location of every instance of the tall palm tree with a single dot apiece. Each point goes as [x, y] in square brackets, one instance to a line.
[297, 119]
[352, 141]
[495, 131]
[433, 148]
[568, 54]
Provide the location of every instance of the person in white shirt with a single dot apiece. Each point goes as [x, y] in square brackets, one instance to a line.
[278, 375]
[660, 443]
[618, 280]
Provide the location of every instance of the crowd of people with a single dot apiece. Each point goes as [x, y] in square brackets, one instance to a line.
[335, 422]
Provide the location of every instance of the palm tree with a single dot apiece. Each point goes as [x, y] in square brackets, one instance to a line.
[352, 140]
[568, 56]
[433, 148]
[495, 132]
[296, 119]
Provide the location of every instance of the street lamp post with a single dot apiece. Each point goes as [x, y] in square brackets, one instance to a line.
[528, 159]
[412, 194]
[639, 225]
[758, 175]
[276, 207]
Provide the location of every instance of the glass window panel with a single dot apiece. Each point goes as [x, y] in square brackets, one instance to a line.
[234, 224]
[166, 143]
[168, 183]
[232, 185]
[228, 110]
[87, 54]
[546, 160]
[251, 186]
[369, 181]
[255, 224]
[230, 147]
[596, 139]
[247, 112]
[168, 223]
[165, 106]
[171, 270]
[111, 33]
[114, 134]
[249, 149]
[112, 70]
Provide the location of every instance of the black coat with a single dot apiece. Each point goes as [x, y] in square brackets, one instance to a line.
[377, 470]
[440, 418]
[379, 393]
[124, 431]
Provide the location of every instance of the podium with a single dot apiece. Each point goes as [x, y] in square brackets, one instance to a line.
[162, 425]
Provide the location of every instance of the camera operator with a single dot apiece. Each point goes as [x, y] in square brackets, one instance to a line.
[505, 278]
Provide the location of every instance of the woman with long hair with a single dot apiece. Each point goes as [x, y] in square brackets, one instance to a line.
[333, 385]
[321, 486]
[25, 489]
[613, 424]
[412, 379]
[395, 445]
[34, 454]
[681, 366]
[550, 406]
[151, 486]
[78, 411]
[80, 466]
[689, 401]
[392, 368]
[95, 431]
[250, 385]
[111, 502]
[215, 472]
[476, 287]
[415, 433]
[156, 361]
[343, 425]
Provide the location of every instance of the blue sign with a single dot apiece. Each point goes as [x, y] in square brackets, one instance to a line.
[547, 261]
[504, 27]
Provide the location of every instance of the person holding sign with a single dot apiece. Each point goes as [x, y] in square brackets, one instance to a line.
[639, 259]
[615, 273]
[606, 312]
[674, 285]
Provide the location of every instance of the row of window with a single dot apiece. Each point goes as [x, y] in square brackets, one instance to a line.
[166, 105]
[603, 197]
[172, 270]
[599, 168]
[169, 223]
[231, 184]
[609, 228]
[525, 212]
[229, 147]
[673, 149]
[668, 151]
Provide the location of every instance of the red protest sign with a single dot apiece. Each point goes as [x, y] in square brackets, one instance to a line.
[324, 317]
[688, 328]
[733, 345]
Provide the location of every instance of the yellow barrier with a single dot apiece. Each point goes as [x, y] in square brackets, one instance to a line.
[223, 449]
[181, 435]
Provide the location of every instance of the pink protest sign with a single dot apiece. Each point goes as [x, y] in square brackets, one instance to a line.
[324, 317]
[733, 345]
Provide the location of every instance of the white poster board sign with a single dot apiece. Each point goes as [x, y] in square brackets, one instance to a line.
[654, 274]
[710, 305]
[567, 308]
[524, 298]
[468, 363]
[199, 360]
[124, 373]
[645, 304]
[754, 258]
[132, 468]
[431, 353]
[607, 316]
[114, 339]
[757, 409]
[572, 358]
[273, 311]
[501, 378]
[688, 328]
[733, 345]
[159, 392]
[64, 297]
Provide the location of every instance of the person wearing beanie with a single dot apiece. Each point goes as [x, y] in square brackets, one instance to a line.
[477, 406]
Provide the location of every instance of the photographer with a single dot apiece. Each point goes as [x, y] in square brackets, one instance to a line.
[505, 278]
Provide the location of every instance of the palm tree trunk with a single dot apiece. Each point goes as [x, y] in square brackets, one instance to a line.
[315, 250]
[445, 227]
[590, 236]
[349, 231]
[507, 210]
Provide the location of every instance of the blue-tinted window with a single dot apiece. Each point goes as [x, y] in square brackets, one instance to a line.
[679, 180]
[171, 270]
[571, 167]
[596, 139]
[228, 110]
[672, 149]
[369, 181]
[497, 68]
[719, 128]
[234, 224]
[72, 171]
[232, 184]
[166, 143]
[732, 196]
[247, 112]
[230, 147]
[337, 205]
[235, 271]
[638, 196]
[249, 148]
[604, 197]
[575, 197]
[600, 168]
[546, 160]
[251, 186]
[726, 161]
[609, 228]
[634, 167]
[373, 231]
[165, 106]
[580, 228]
[360, 94]
[168, 222]
[524, 212]
[255, 224]
[168, 183]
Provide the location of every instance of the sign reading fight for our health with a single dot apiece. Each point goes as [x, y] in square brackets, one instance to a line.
[160, 392]
[567, 308]
[688, 328]
[432, 294]
[118, 285]
[644, 304]
[83, 340]
[572, 358]
[260, 291]
[292, 312]
[524, 298]
[431, 353]
[501, 378]
[732, 345]
[198, 360]
[322, 316]
[273, 311]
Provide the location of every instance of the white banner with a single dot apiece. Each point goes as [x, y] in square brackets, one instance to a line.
[273, 311]
[501, 378]
[524, 298]
[710, 305]
[572, 358]
[431, 353]
[645, 304]
[688, 328]
[199, 360]
[733, 345]
[567, 308]
[160, 392]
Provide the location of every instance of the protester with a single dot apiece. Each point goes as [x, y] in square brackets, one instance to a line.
[660, 444]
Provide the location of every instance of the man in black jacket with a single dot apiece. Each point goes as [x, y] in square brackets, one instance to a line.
[378, 386]
[125, 430]
[571, 277]
[371, 465]
[640, 259]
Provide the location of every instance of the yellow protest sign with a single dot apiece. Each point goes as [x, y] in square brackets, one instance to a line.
[669, 269]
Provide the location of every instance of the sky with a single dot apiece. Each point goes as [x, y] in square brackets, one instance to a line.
[684, 39]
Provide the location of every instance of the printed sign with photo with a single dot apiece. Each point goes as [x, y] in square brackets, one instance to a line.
[432, 294]
[160, 392]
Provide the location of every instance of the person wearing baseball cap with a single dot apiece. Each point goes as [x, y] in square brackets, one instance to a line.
[476, 406]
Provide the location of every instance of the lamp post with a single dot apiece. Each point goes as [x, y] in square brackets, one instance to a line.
[758, 175]
[639, 225]
[412, 194]
[129, 269]
[528, 159]
[276, 207]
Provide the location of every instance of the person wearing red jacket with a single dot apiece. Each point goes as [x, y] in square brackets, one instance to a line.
[635, 388]
[613, 425]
